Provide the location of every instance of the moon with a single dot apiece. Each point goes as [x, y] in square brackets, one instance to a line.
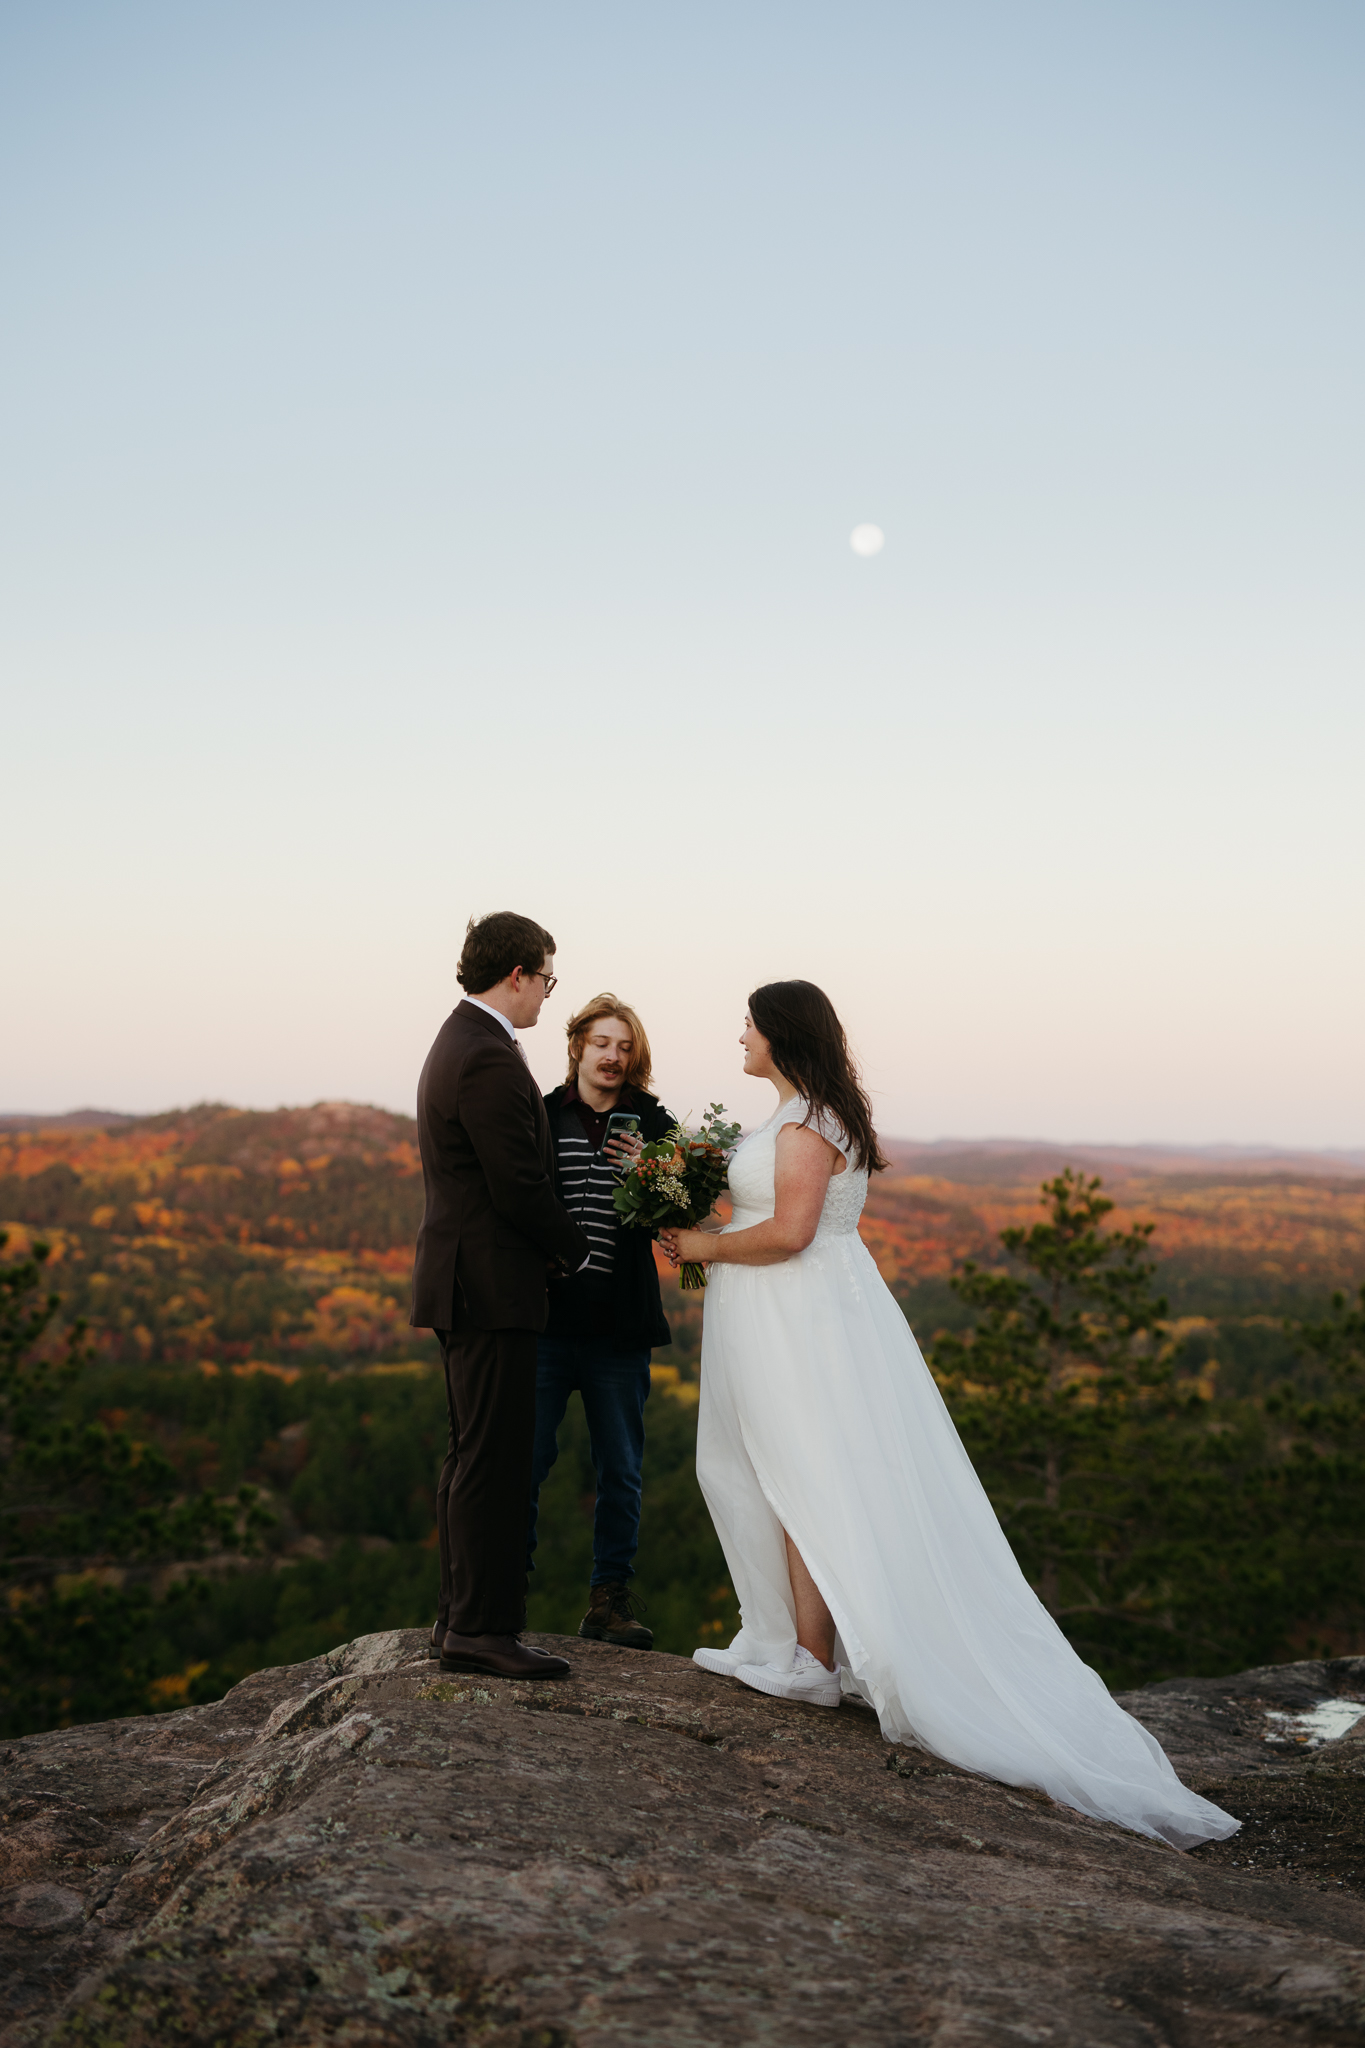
[867, 540]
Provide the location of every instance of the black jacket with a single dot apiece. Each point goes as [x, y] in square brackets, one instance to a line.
[493, 1220]
[636, 1315]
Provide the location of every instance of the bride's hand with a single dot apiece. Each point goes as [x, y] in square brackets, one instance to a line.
[688, 1247]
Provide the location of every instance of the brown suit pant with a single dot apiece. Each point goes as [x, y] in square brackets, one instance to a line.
[484, 1497]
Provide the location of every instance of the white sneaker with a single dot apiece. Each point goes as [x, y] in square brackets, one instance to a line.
[723, 1662]
[806, 1679]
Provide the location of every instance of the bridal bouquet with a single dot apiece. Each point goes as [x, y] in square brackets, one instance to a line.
[674, 1182]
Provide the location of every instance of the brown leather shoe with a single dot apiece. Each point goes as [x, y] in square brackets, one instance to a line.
[612, 1619]
[500, 1657]
[438, 1636]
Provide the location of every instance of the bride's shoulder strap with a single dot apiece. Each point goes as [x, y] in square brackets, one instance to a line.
[828, 1127]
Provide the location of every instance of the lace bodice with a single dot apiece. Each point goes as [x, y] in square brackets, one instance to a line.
[753, 1169]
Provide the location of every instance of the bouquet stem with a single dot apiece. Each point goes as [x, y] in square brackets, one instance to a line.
[692, 1275]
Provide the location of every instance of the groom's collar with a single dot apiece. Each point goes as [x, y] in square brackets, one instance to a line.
[489, 1011]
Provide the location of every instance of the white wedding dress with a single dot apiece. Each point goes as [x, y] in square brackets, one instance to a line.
[819, 1416]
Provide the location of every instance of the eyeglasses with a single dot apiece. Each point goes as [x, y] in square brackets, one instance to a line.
[551, 981]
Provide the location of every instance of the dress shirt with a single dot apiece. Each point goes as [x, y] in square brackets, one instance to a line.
[489, 1011]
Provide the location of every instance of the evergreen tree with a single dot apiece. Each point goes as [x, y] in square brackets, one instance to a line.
[85, 1512]
[1323, 1479]
[1086, 1439]
[1165, 1532]
[1065, 1356]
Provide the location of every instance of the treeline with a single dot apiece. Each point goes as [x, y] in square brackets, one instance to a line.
[161, 1300]
[230, 1235]
[165, 1530]
[338, 1176]
[1167, 1529]
[168, 1526]
[224, 1235]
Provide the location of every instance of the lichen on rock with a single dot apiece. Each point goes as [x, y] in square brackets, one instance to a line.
[363, 1850]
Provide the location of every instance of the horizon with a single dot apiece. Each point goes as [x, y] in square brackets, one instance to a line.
[74, 1119]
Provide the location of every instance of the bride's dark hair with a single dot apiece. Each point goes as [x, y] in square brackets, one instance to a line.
[808, 1045]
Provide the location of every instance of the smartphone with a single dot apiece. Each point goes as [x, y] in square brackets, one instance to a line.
[622, 1123]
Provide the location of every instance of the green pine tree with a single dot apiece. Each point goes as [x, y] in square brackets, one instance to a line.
[1064, 1357]
[86, 1512]
[1166, 1532]
[1323, 1479]
[1068, 1400]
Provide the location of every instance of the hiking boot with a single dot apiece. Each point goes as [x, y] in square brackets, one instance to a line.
[611, 1619]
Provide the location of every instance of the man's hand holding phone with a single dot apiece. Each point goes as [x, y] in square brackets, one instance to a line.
[622, 1142]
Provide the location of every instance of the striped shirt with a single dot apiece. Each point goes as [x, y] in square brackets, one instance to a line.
[589, 1181]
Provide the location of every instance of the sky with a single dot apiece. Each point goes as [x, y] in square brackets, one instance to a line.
[429, 441]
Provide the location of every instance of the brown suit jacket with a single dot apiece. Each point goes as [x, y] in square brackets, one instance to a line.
[492, 1220]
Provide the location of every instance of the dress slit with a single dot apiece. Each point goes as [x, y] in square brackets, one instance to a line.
[819, 1418]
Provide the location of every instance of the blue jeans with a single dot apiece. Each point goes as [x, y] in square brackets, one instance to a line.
[614, 1383]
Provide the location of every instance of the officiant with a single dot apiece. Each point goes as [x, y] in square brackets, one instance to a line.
[605, 1319]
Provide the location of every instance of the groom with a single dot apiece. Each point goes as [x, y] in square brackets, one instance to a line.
[490, 1229]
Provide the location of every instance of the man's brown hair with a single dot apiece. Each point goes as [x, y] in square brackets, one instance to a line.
[497, 944]
[639, 1073]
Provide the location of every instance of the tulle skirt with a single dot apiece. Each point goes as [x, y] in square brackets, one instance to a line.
[819, 1416]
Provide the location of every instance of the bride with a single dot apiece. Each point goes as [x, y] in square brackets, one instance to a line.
[865, 1553]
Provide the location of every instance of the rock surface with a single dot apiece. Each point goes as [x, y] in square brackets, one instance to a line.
[359, 1850]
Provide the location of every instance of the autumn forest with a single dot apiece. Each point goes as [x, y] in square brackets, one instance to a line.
[221, 1434]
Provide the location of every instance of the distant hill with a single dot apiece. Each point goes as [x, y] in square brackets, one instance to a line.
[220, 1233]
[1244, 1236]
[217, 1233]
[1006, 1160]
[337, 1174]
[1259, 1231]
[74, 1119]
